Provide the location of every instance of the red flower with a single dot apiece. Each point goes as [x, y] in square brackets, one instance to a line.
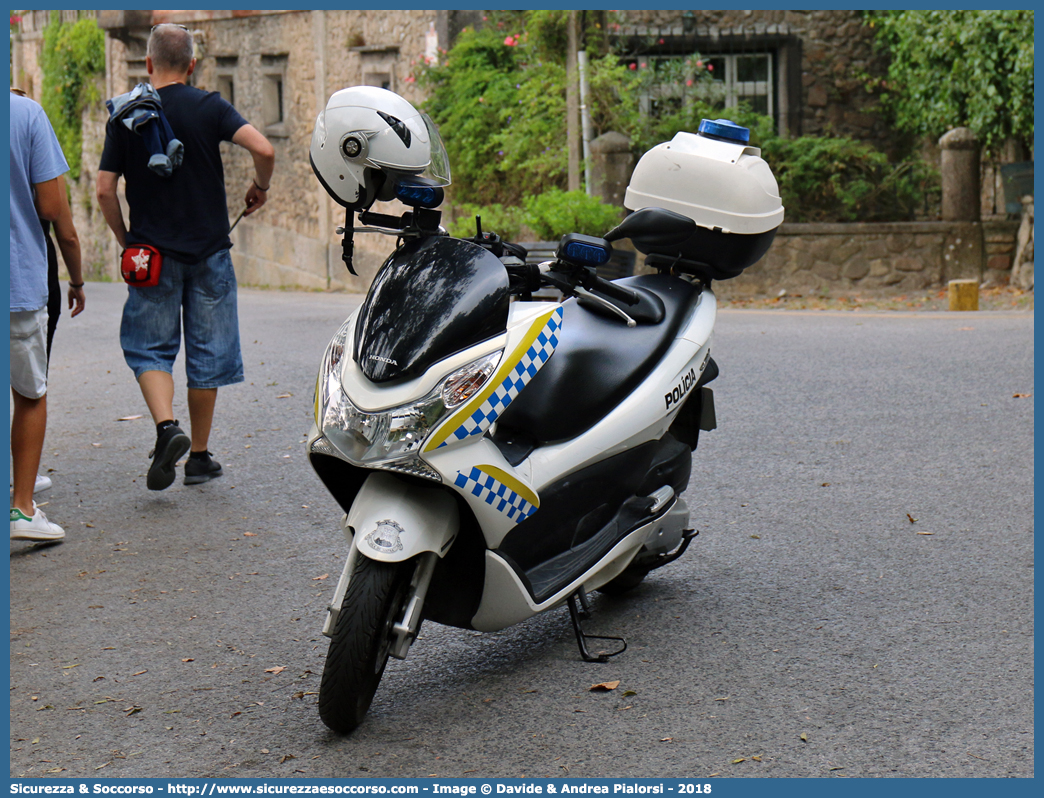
[632, 66]
[510, 41]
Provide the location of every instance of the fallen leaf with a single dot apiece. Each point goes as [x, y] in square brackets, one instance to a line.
[285, 757]
[284, 396]
[666, 739]
[1021, 395]
[132, 711]
[188, 659]
[276, 670]
[605, 687]
[804, 737]
[825, 485]
[912, 519]
[840, 767]
[925, 533]
[89, 526]
[726, 698]
[737, 761]
[250, 534]
[139, 673]
[756, 758]
[756, 537]
[627, 693]
[319, 578]
[129, 418]
[66, 667]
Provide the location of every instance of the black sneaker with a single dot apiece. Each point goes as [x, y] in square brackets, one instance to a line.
[171, 446]
[199, 469]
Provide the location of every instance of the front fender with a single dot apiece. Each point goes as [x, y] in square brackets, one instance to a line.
[395, 520]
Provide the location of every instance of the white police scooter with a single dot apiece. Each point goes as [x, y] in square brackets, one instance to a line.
[495, 456]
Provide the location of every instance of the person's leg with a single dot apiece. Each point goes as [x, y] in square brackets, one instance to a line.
[27, 439]
[201, 403]
[54, 291]
[212, 354]
[150, 335]
[158, 389]
[28, 424]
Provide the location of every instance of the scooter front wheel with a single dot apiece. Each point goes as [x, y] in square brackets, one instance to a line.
[374, 601]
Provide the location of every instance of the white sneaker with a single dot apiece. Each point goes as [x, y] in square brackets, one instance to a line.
[42, 483]
[36, 528]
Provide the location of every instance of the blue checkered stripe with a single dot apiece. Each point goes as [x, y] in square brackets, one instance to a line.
[495, 493]
[531, 362]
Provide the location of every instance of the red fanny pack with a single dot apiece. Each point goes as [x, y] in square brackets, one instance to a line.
[140, 265]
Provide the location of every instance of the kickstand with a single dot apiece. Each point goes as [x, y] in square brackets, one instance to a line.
[584, 611]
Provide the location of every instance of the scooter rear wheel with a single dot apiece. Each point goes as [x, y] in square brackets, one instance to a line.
[625, 582]
[375, 599]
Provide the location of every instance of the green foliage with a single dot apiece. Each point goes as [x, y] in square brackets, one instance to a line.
[72, 55]
[842, 180]
[499, 100]
[504, 221]
[546, 217]
[960, 68]
[554, 213]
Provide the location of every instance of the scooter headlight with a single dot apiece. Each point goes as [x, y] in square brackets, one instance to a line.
[384, 439]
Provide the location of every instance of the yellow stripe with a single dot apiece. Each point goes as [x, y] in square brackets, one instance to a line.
[511, 482]
[506, 368]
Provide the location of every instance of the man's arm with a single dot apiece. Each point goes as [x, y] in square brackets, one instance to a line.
[69, 244]
[250, 139]
[109, 202]
[48, 199]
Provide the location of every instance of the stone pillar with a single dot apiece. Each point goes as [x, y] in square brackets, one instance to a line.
[959, 170]
[611, 167]
[963, 251]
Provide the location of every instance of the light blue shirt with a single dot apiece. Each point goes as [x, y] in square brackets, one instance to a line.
[36, 157]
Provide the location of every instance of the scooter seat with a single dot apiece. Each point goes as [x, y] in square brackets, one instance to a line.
[598, 362]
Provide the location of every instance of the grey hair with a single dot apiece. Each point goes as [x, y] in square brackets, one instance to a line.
[170, 48]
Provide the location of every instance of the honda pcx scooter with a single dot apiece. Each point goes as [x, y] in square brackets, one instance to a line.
[497, 456]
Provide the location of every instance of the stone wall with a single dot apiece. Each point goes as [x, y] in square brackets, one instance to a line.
[870, 258]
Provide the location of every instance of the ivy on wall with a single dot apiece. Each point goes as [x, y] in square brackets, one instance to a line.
[73, 55]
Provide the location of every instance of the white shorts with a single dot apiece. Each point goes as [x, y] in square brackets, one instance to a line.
[29, 352]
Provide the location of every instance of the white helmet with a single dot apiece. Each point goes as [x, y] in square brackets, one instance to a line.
[367, 140]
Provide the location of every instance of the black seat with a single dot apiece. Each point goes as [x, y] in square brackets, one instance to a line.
[598, 362]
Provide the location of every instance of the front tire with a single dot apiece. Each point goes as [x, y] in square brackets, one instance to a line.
[374, 601]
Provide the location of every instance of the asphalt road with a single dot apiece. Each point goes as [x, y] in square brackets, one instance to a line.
[859, 601]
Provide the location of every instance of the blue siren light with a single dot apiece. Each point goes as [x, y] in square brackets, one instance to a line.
[419, 196]
[584, 250]
[725, 130]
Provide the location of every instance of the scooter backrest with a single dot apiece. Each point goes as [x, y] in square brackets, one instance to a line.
[651, 228]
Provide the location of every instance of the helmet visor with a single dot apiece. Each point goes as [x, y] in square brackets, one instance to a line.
[411, 147]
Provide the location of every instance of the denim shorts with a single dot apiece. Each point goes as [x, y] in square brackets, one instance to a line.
[204, 295]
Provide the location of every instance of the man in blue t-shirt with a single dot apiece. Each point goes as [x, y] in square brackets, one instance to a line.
[36, 164]
[185, 217]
